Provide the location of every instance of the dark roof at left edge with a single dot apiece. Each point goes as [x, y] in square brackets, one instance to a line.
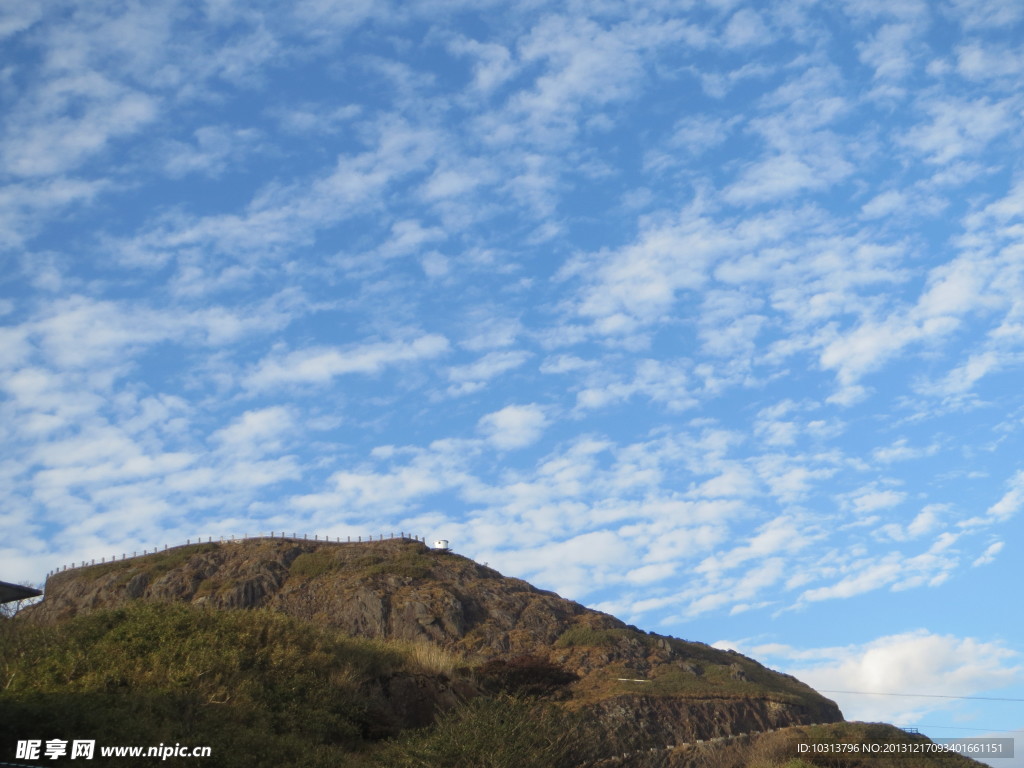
[11, 592]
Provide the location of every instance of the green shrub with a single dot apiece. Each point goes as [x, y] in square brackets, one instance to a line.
[588, 637]
[309, 565]
[501, 732]
[410, 563]
[524, 676]
[258, 687]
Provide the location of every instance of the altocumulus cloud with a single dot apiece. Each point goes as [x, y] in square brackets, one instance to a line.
[707, 314]
[514, 426]
[917, 662]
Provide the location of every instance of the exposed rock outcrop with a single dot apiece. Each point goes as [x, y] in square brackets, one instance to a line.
[395, 588]
[645, 689]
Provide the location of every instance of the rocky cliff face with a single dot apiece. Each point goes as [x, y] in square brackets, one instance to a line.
[645, 689]
[394, 588]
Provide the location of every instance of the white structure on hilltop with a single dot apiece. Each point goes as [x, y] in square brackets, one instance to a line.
[441, 544]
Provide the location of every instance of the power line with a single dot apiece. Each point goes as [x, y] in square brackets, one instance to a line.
[921, 695]
[962, 728]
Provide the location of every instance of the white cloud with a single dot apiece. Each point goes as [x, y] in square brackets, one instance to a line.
[907, 663]
[888, 51]
[952, 291]
[474, 376]
[901, 450]
[907, 10]
[925, 521]
[395, 481]
[212, 151]
[565, 364]
[869, 499]
[447, 183]
[1011, 502]
[961, 380]
[81, 333]
[514, 426]
[570, 566]
[689, 241]
[639, 283]
[256, 432]
[783, 534]
[26, 206]
[989, 555]
[865, 573]
[791, 477]
[884, 204]
[959, 128]
[586, 65]
[42, 140]
[493, 64]
[489, 331]
[407, 237]
[282, 216]
[320, 365]
[746, 28]
[698, 133]
[647, 574]
[18, 17]
[317, 118]
[775, 177]
[663, 382]
[982, 14]
[979, 62]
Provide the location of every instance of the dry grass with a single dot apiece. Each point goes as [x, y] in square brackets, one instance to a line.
[425, 657]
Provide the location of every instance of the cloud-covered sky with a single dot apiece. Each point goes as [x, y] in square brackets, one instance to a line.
[707, 313]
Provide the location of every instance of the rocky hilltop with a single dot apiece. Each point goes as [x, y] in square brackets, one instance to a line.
[645, 689]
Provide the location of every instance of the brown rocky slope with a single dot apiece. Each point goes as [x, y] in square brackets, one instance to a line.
[646, 690]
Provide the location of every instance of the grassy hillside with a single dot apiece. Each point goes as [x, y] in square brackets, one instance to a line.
[264, 689]
[258, 687]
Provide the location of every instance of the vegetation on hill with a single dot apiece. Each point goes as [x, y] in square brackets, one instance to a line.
[258, 687]
[377, 655]
[263, 689]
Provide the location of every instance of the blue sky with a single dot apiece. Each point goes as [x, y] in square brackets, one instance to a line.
[707, 314]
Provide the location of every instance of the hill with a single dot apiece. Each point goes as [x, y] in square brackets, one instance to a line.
[285, 651]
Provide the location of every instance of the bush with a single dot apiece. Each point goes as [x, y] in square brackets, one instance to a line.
[309, 565]
[502, 732]
[523, 676]
[589, 637]
[259, 688]
[411, 563]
